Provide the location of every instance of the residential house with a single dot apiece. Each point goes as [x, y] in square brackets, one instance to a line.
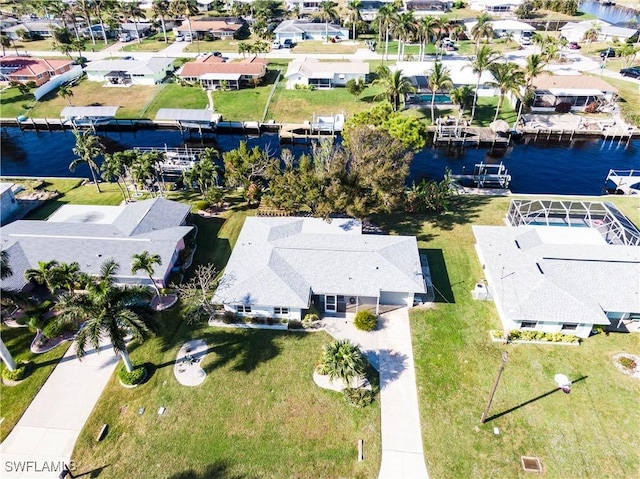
[89, 235]
[130, 72]
[223, 28]
[280, 266]
[312, 72]
[301, 30]
[35, 29]
[8, 203]
[577, 90]
[495, 6]
[576, 31]
[561, 266]
[129, 28]
[502, 28]
[421, 8]
[210, 71]
[26, 69]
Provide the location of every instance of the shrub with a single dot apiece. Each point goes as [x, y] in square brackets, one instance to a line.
[496, 333]
[515, 335]
[229, 317]
[202, 205]
[627, 363]
[591, 107]
[563, 107]
[295, 324]
[366, 321]
[17, 374]
[309, 319]
[132, 378]
[358, 397]
[53, 329]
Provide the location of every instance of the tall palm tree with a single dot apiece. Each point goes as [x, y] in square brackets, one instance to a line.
[186, 9]
[160, 9]
[328, 13]
[65, 92]
[403, 29]
[484, 58]
[88, 148]
[106, 308]
[462, 96]
[99, 7]
[115, 166]
[84, 9]
[65, 11]
[46, 274]
[5, 42]
[132, 11]
[67, 275]
[509, 78]
[341, 359]
[439, 77]
[387, 14]
[535, 66]
[482, 29]
[592, 34]
[427, 29]
[395, 85]
[354, 7]
[145, 261]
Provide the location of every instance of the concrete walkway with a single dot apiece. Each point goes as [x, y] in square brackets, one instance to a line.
[43, 440]
[389, 350]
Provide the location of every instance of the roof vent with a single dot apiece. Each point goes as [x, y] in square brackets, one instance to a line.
[531, 464]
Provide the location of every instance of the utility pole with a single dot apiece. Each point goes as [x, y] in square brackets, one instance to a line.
[505, 356]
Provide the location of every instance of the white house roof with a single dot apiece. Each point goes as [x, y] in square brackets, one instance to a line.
[511, 25]
[185, 114]
[282, 261]
[460, 72]
[88, 111]
[585, 25]
[302, 26]
[91, 235]
[138, 67]
[313, 68]
[536, 277]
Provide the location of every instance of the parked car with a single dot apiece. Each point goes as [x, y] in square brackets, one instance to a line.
[217, 54]
[124, 37]
[276, 45]
[179, 38]
[574, 46]
[633, 72]
[187, 38]
[288, 43]
[127, 57]
[608, 53]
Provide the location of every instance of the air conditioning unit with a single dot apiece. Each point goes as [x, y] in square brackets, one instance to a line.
[480, 292]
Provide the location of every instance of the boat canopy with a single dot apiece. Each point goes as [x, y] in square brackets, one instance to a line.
[88, 111]
[185, 114]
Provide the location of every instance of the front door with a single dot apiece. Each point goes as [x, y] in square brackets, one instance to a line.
[330, 303]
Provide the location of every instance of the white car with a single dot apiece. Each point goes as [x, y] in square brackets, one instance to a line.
[276, 45]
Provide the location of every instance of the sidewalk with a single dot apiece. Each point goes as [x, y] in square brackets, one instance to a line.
[43, 440]
[389, 350]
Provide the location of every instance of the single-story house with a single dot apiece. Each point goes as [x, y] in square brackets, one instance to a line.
[25, 69]
[577, 90]
[218, 28]
[280, 266]
[210, 71]
[89, 235]
[427, 7]
[301, 30]
[305, 5]
[575, 31]
[561, 266]
[36, 28]
[495, 6]
[460, 73]
[502, 28]
[311, 71]
[8, 203]
[130, 72]
[129, 28]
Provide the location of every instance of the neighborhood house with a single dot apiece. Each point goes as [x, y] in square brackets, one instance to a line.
[90, 235]
[576, 31]
[312, 72]
[228, 28]
[26, 69]
[130, 72]
[301, 30]
[578, 91]
[280, 266]
[212, 72]
[561, 266]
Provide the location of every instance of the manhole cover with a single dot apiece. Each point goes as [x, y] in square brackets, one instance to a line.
[531, 464]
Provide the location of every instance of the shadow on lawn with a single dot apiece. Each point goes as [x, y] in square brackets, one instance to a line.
[542, 396]
[439, 275]
[91, 474]
[217, 470]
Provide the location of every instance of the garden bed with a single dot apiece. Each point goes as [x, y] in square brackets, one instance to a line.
[498, 337]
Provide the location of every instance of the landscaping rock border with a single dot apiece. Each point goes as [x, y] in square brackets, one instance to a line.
[616, 361]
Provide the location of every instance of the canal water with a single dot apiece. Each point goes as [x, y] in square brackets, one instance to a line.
[609, 13]
[543, 167]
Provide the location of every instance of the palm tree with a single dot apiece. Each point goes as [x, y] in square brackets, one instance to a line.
[387, 15]
[88, 148]
[67, 275]
[395, 85]
[354, 7]
[115, 166]
[84, 9]
[484, 58]
[160, 9]
[328, 13]
[510, 78]
[427, 29]
[462, 96]
[592, 34]
[98, 7]
[5, 42]
[439, 78]
[145, 262]
[132, 11]
[185, 8]
[341, 359]
[403, 28]
[64, 11]
[482, 29]
[46, 274]
[65, 92]
[106, 308]
[508, 38]
[205, 173]
[535, 66]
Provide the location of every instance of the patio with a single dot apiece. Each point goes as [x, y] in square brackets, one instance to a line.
[187, 368]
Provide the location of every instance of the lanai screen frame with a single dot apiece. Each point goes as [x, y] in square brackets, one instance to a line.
[614, 227]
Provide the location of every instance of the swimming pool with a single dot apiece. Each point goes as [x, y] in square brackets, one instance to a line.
[439, 98]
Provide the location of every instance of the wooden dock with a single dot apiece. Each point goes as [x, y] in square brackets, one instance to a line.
[302, 133]
[467, 136]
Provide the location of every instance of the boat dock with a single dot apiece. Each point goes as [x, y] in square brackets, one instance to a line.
[461, 135]
[486, 175]
[625, 181]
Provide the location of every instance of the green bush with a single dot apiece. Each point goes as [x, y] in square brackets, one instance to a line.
[366, 321]
[202, 205]
[515, 335]
[229, 317]
[53, 329]
[295, 324]
[309, 319]
[134, 377]
[627, 363]
[17, 374]
[358, 397]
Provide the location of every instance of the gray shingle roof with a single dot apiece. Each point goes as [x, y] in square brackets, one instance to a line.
[301, 26]
[282, 261]
[570, 283]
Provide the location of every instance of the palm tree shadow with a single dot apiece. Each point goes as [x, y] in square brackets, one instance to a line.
[392, 365]
[93, 473]
[217, 470]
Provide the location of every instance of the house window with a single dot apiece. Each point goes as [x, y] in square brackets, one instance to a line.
[529, 324]
[341, 76]
[243, 308]
[569, 327]
[280, 310]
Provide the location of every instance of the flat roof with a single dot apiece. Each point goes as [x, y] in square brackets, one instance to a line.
[88, 111]
[87, 214]
[184, 114]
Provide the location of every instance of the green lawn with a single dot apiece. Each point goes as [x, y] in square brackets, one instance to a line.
[590, 433]
[173, 95]
[16, 399]
[13, 104]
[258, 414]
[317, 46]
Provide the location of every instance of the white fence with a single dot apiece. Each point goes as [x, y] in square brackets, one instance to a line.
[56, 81]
